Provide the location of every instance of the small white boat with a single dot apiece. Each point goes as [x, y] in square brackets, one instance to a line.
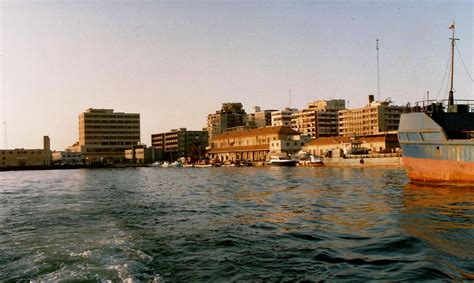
[314, 161]
[166, 164]
[156, 164]
[202, 165]
[175, 164]
[281, 161]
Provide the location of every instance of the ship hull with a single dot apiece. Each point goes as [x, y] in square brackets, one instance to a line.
[430, 156]
[439, 171]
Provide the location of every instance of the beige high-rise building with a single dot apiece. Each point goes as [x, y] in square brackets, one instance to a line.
[259, 118]
[232, 114]
[320, 119]
[375, 118]
[283, 117]
[328, 105]
[105, 134]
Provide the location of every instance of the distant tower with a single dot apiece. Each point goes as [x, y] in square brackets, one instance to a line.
[46, 143]
[47, 150]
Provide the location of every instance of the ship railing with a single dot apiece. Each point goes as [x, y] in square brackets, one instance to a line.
[430, 104]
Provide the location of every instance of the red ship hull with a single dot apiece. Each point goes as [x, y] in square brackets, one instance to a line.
[439, 171]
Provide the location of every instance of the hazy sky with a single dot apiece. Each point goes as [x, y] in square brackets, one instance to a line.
[176, 61]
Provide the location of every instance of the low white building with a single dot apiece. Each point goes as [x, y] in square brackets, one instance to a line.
[67, 157]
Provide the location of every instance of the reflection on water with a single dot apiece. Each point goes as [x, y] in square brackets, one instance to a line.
[232, 224]
[443, 216]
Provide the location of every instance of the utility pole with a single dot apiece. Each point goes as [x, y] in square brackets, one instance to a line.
[5, 141]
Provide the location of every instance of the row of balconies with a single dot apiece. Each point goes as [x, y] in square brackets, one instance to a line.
[137, 138]
[101, 132]
[107, 116]
[108, 127]
[89, 122]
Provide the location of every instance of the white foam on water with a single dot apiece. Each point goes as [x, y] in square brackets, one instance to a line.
[121, 270]
[85, 254]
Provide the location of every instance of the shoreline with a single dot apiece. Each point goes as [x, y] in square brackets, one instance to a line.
[327, 162]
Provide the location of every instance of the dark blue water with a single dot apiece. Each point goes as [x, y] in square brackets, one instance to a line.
[232, 224]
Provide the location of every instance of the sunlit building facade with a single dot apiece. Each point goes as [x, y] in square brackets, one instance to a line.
[375, 118]
[179, 143]
[21, 157]
[254, 144]
[105, 134]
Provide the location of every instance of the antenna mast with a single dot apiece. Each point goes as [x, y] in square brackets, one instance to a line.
[378, 69]
[453, 39]
[289, 93]
[5, 141]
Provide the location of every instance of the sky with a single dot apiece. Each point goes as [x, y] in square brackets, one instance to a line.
[174, 62]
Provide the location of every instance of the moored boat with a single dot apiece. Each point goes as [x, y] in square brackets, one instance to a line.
[430, 155]
[437, 140]
[156, 164]
[281, 161]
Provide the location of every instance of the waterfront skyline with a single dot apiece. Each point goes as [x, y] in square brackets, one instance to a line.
[176, 62]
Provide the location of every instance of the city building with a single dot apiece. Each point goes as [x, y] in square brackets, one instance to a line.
[142, 154]
[231, 115]
[105, 134]
[67, 157]
[259, 118]
[283, 117]
[319, 119]
[328, 105]
[254, 144]
[180, 143]
[375, 118]
[26, 157]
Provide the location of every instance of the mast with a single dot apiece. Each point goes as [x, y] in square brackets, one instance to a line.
[5, 142]
[451, 93]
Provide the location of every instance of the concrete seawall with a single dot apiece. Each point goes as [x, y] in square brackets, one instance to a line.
[363, 161]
